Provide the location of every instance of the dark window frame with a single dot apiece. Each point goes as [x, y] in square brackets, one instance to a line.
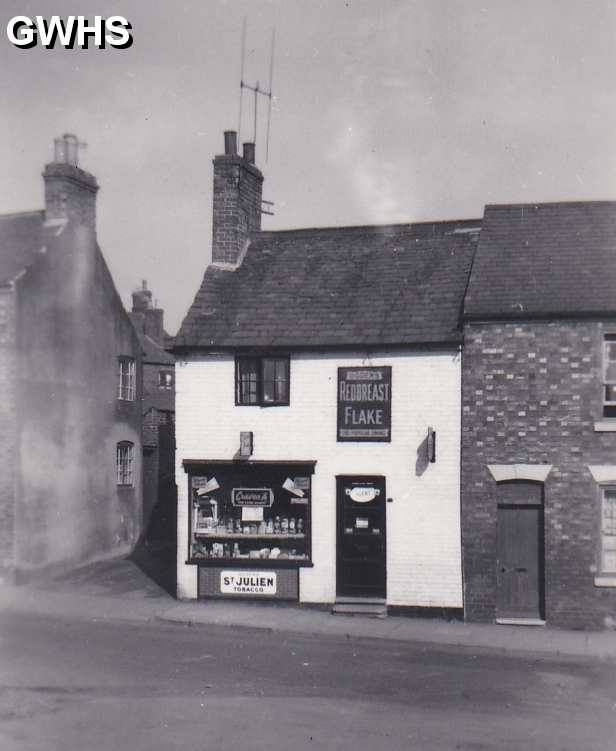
[608, 405]
[125, 464]
[259, 363]
[126, 386]
[602, 569]
[166, 384]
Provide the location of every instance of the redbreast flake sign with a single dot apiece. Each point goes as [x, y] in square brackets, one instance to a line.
[364, 403]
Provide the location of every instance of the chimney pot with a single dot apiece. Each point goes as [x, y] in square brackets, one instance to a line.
[249, 152]
[230, 142]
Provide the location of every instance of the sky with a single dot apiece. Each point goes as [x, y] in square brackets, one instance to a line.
[383, 111]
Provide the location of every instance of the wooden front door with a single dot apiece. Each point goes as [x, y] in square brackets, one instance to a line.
[520, 557]
[361, 558]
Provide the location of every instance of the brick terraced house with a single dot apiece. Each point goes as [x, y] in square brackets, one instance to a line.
[70, 369]
[158, 410]
[539, 417]
[318, 388]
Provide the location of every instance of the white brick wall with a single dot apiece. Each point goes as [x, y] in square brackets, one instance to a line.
[423, 522]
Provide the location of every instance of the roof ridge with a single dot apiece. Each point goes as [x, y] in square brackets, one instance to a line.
[550, 204]
[365, 227]
[31, 212]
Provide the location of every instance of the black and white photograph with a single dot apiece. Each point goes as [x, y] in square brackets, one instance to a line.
[308, 375]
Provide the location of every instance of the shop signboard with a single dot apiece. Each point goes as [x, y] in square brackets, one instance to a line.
[248, 583]
[252, 497]
[364, 403]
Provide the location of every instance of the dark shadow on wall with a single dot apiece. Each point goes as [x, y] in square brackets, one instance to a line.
[158, 561]
[421, 463]
[155, 553]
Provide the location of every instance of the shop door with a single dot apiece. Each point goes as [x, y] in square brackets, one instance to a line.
[519, 573]
[361, 566]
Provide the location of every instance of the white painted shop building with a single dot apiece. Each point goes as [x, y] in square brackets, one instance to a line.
[318, 383]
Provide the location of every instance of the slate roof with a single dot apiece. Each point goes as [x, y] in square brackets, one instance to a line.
[379, 285]
[545, 260]
[21, 237]
[153, 353]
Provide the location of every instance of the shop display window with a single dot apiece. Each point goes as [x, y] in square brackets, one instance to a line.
[250, 514]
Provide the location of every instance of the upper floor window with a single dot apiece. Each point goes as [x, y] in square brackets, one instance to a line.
[165, 379]
[609, 375]
[608, 530]
[262, 381]
[126, 379]
[125, 461]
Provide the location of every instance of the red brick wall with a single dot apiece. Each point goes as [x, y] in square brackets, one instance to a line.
[531, 394]
[8, 455]
[237, 207]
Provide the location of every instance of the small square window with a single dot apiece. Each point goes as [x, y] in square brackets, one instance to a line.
[262, 381]
[165, 380]
[126, 379]
[125, 463]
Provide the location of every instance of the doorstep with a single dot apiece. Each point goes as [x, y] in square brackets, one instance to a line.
[520, 622]
[372, 607]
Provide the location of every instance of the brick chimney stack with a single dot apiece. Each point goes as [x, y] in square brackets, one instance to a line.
[70, 192]
[238, 188]
[146, 318]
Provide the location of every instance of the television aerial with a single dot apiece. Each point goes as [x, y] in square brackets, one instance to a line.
[257, 91]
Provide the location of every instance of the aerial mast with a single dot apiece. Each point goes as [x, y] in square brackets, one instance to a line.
[257, 91]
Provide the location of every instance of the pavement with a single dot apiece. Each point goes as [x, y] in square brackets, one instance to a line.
[120, 590]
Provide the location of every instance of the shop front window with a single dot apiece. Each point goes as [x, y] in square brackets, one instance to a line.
[258, 514]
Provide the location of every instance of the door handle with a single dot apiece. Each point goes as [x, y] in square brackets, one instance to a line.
[503, 569]
[521, 570]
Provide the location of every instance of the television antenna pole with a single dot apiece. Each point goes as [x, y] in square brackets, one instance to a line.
[257, 91]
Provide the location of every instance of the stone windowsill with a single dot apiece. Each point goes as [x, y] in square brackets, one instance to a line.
[605, 426]
[605, 580]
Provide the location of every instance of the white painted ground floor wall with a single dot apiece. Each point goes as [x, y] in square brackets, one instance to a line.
[423, 521]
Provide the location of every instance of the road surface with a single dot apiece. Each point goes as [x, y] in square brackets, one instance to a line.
[100, 686]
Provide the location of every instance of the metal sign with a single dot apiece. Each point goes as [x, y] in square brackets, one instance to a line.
[248, 583]
[246, 444]
[363, 494]
[252, 496]
[364, 404]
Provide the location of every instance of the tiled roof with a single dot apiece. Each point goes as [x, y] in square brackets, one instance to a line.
[397, 284]
[153, 353]
[21, 237]
[160, 399]
[543, 260]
